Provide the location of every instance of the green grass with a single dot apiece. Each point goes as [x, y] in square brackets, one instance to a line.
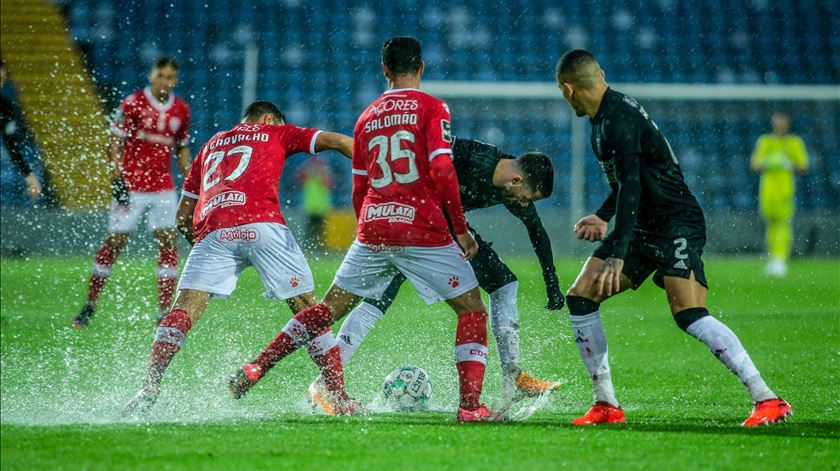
[61, 388]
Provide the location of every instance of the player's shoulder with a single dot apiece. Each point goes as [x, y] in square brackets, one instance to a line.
[624, 113]
[135, 98]
[430, 101]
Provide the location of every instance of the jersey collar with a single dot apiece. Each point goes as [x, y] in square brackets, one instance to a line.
[161, 107]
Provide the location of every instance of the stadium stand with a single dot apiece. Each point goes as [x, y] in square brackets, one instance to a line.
[318, 59]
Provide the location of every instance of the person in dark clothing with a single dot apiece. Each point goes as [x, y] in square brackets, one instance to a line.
[14, 139]
[659, 228]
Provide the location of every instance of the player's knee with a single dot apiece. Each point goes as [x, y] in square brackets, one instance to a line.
[686, 317]
[506, 294]
[467, 302]
[578, 289]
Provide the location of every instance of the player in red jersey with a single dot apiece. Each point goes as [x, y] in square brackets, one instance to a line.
[230, 211]
[148, 125]
[403, 179]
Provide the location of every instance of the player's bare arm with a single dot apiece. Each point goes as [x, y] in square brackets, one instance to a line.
[334, 141]
[591, 228]
[184, 217]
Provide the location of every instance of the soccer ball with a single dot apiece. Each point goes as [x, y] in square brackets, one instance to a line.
[408, 389]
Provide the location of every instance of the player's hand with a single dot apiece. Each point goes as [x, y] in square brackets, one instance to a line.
[608, 277]
[556, 300]
[33, 186]
[468, 245]
[591, 228]
[120, 192]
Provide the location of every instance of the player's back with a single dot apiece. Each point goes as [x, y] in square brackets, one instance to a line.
[396, 138]
[236, 175]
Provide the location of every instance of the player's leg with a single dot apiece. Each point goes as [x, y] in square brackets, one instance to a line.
[440, 273]
[687, 299]
[171, 334]
[361, 320]
[212, 269]
[590, 337]
[776, 203]
[167, 268]
[299, 331]
[161, 218]
[500, 283]
[471, 356]
[363, 272]
[122, 221]
[353, 331]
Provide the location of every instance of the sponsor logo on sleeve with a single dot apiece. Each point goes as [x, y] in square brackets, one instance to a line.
[446, 130]
[391, 212]
[223, 200]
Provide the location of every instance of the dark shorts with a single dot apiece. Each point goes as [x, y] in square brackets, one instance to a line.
[647, 253]
[491, 271]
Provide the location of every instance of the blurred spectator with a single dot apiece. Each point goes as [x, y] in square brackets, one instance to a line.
[776, 156]
[316, 180]
[14, 138]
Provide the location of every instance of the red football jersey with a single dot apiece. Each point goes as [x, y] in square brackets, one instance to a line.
[236, 175]
[395, 140]
[151, 129]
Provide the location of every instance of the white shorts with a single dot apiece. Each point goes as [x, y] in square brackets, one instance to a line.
[160, 209]
[437, 273]
[215, 263]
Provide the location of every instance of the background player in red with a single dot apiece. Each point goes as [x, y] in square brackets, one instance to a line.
[403, 179]
[148, 125]
[230, 210]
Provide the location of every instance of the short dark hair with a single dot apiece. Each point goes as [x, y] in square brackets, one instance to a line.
[162, 62]
[402, 55]
[573, 61]
[261, 107]
[537, 172]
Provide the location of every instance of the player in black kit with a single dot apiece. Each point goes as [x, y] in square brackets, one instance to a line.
[13, 137]
[486, 177]
[659, 229]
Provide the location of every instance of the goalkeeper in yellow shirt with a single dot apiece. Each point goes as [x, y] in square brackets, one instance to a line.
[776, 156]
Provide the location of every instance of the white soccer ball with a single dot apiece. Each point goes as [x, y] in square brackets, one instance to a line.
[408, 389]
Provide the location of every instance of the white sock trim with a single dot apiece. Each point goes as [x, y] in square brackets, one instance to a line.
[471, 352]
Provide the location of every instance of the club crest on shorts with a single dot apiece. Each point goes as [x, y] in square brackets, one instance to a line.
[294, 282]
[454, 281]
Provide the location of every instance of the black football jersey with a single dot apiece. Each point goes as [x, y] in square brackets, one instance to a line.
[648, 189]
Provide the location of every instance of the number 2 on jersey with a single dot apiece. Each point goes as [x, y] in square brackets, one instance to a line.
[215, 159]
[396, 152]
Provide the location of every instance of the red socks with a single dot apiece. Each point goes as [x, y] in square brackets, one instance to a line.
[167, 276]
[170, 337]
[102, 265]
[471, 357]
[324, 351]
[302, 328]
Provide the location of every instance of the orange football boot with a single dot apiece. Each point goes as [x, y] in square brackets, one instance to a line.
[601, 413]
[768, 412]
